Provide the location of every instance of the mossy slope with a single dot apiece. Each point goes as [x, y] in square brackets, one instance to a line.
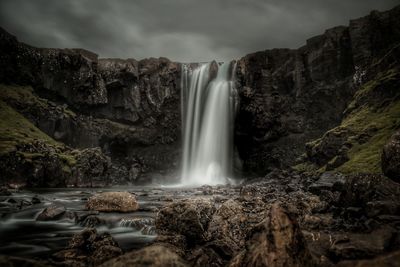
[355, 146]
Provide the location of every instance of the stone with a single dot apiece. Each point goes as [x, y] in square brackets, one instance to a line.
[89, 248]
[391, 158]
[277, 241]
[113, 202]
[356, 246]
[50, 213]
[328, 181]
[156, 255]
[227, 230]
[188, 217]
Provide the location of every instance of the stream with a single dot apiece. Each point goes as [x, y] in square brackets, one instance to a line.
[22, 235]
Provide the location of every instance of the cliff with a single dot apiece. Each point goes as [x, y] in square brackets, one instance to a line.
[291, 97]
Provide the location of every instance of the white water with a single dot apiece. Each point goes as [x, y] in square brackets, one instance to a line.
[207, 115]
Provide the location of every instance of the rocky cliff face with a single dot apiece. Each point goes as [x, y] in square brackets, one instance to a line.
[128, 108]
[290, 97]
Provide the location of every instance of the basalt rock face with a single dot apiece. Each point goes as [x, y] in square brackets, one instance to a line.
[128, 108]
[289, 97]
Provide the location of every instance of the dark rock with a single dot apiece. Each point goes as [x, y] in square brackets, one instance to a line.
[36, 200]
[189, 218]
[154, 255]
[113, 202]
[359, 246]
[89, 248]
[5, 192]
[389, 260]
[328, 181]
[51, 213]
[277, 241]
[91, 168]
[391, 158]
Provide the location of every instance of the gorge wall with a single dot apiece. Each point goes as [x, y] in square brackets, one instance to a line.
[125, 114]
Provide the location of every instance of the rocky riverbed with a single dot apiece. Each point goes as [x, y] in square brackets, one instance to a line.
[284, 219]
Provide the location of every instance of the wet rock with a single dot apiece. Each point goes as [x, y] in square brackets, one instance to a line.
[113, 202]
[277, 241]
[92, 221]
[391, 158]
[189, 217]
[227, 230]
[154, 255]
[89, 248]
[36, 200]
[359, 246]
[5, 192]
[91, 168]
[51, 213]
[328, 182]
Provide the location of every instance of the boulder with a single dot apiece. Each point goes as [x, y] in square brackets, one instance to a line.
[188, 217]
[276, 242]
[92, 168]
[88, 248]
[226, 229]
[51, 213]
[391, 158]
[156, 255]
[113, 202]
[361, 246]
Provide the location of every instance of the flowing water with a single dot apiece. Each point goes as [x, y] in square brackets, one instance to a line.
[22, 235]
[208, 112]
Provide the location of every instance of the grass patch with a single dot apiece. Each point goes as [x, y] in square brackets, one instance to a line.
[371, 119]
[16, 129]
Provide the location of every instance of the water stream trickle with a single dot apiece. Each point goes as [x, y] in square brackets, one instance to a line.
[208, 113]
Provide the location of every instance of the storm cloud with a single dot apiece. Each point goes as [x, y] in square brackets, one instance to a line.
[182, 30]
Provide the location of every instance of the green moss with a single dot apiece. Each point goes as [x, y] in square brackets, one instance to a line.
[21, 94]
[16, 129]
[370, 120]
[366, 157]
[68, 159]
[25, 97]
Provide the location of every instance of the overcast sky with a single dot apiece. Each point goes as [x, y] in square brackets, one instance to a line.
[182, 30]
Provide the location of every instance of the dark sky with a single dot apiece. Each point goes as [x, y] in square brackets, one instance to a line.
[182, 30]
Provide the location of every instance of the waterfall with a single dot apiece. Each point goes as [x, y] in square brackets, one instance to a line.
[208, 105]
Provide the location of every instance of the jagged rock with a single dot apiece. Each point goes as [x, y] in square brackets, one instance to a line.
[227, 230]
[91, 168]
[88, 248]
[277, 241]
[113, 202]
[391, 158]
[356, 246]
[328, 181]
[154, 255]
[189, 217]
[51, 213]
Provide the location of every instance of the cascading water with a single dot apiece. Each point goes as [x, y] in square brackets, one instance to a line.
[207, 113]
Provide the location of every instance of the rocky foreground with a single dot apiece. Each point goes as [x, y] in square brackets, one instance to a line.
[284, 219]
